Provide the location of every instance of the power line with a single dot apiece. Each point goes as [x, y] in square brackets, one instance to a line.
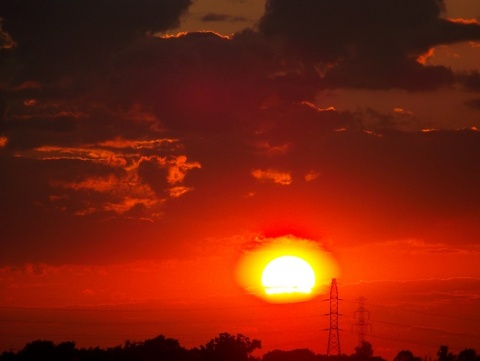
[473, 319]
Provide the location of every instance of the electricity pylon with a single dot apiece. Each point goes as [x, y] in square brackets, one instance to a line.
[333, 337]
[362, 327]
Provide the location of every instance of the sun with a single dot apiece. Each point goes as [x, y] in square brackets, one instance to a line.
[286, 269]
[288, 274]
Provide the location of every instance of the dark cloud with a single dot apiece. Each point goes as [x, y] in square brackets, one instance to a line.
[392, 27]
[212, 17]
[473, 103]
[55, 37]
[471, 80]
[217, 80]
[371, 44]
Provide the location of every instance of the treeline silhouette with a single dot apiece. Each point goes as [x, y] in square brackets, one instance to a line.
[224, 347]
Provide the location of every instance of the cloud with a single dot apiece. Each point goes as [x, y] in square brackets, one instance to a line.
[381, 52]
[313, 106]
[212, 17]
[178, 191]
[148, 123]
[368, 44]
[178, 168]
[6, 41]
[119, 176]
[403, 112]
[311, 176]
[471, 80]
[274, 150]
[80, 34]
[415, 246]
[473, 103]
[283, 178]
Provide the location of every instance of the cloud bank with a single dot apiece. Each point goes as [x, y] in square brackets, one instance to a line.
[105, 116]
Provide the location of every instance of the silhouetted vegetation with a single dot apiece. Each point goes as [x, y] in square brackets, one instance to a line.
[224, 347]
[406, 355]
[293, 355]
[228, 347]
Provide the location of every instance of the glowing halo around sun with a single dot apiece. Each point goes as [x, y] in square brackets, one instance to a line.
[288, 274]
[286, 269]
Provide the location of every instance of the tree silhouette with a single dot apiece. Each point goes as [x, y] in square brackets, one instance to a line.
[364, 351]
[444, 355]
[66, 351]
[227, 347]
[406, 355]
[302, 354]
[162, 348]
[224, 347]
[468, 354]
[8, 356]
[38, 350]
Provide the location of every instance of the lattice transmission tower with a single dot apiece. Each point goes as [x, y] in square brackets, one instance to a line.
[361, 315]
[333, 347]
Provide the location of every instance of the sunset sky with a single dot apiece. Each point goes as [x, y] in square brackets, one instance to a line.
[148, 148]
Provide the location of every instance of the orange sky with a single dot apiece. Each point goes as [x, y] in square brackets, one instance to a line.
[139, 168]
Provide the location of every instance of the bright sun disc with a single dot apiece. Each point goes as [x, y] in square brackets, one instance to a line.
[288, 274]
[286, 269]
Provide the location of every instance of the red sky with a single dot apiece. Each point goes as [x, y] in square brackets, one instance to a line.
[144, 152]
